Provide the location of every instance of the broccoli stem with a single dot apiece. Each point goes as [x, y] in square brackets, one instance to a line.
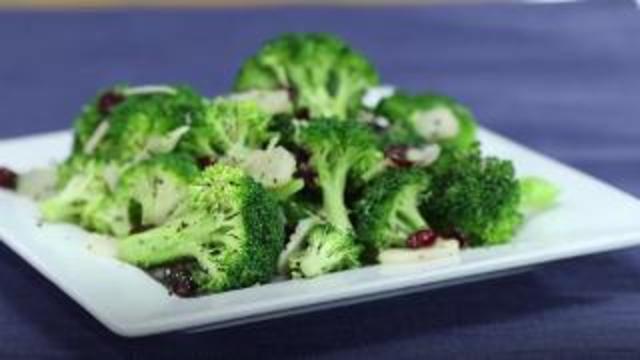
[152, 248]
[413, 218]
[333, 188]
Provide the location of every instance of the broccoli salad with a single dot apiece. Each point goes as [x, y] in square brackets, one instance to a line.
[306, 167]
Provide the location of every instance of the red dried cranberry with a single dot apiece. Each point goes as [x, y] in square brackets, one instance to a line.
[206, 161]
[398, 155]
[422, 238]
[301, 155]
[179, 280]
[8, 178]
[307, 174]
[412, 242]
[108, 100]
[427, 237]
[183, 288]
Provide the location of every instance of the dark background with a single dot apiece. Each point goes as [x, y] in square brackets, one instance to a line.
[563, 79]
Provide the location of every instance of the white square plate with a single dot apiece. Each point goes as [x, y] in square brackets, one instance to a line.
[591, 217]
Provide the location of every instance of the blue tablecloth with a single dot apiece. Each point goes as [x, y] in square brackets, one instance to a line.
[564, 79]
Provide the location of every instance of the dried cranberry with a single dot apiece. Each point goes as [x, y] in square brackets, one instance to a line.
[307, 174]
[8, 178]
[412, 242]
[301, 155]
[422, 238]
[206, 161]
[183, 288]
[179, 280]
[108, 100]
[303, 114]
[398, 155]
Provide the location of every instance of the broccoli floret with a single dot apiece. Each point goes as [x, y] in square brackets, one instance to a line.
[231, 128]
[389, 213]
[428, 118]
[145, 195]
[78, 190]
[140, 122]
[93, 114]
[536, 194]
[230, 226]
[326, 77]
[338, 149]
[327, 249]
[476, 196]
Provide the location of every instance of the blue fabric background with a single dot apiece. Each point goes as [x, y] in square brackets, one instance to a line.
[564, 79]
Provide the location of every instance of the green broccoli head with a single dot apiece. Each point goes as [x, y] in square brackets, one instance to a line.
[82, 183]
[137, 122]
[428, 117]
[388, 212]
[231, 128]
[476, 196]
[326, 249]
[93, 114]
[145, 195]
[338, 149]
[230, 226]
[326, 77]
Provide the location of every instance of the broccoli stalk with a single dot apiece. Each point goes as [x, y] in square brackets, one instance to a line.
[230, 226]
[333, 182]
[388, 212]
[536, 195]
[338, 149]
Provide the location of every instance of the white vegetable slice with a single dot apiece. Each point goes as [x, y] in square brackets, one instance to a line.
[296, 240]
[424, 156]
[163, 144]
[436, 124]
[111, 174]
[443, 248]
[374, 95]
[149, 89]
[96, 137]
[272, 168]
